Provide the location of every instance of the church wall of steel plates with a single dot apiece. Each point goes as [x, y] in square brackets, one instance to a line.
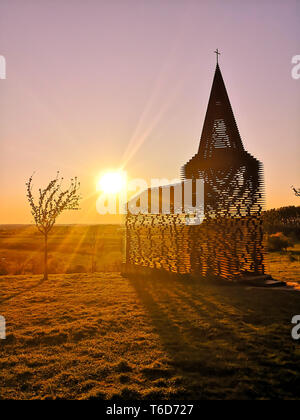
[228, 244]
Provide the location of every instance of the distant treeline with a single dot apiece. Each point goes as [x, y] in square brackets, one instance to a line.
[284, 219]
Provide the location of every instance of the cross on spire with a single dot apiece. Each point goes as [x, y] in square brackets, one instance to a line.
[217, 53]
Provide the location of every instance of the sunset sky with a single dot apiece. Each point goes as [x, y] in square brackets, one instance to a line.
[97, 84]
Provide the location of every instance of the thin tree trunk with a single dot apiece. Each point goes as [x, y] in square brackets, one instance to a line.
[46, 258]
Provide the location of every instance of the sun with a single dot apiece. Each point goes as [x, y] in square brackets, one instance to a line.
[112, 182]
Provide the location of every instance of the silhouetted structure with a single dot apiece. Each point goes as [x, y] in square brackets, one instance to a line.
[228, 243]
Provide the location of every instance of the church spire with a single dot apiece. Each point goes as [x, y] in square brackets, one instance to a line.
[220, 130]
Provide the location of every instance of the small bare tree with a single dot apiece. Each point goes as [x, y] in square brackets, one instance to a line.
[296, 191]
[52, 201]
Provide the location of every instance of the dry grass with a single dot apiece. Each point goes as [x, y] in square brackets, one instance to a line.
[284, 266]
[102, 336]
[72, 249]
[79, 248]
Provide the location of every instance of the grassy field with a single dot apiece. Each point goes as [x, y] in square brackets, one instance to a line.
[72, 249]
[97, 335]
[88, 249]
[102, 336]
[285, 265]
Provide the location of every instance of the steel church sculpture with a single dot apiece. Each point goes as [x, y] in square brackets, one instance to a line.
[228, 244]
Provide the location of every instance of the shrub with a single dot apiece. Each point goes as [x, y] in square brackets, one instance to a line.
[278, 242]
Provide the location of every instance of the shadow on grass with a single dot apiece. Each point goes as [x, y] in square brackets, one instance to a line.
[223, 340]
[23, 291]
